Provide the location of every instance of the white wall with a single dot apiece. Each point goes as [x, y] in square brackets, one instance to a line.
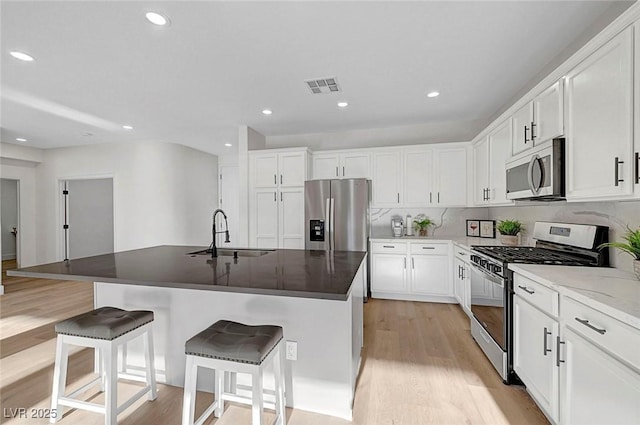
[616, 215]
[8, 217]
[163, 193]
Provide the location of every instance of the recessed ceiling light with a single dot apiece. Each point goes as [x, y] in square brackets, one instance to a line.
[228, 145]
[127, 127]
[156, 18]
[343, 104]
[433, 94]
[267, 111]
[22, 56]
[20, 139]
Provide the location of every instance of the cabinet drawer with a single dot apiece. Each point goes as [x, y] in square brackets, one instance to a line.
[461, 253]
[389, 247]
[538, 295]
[429, 248]
[610, 334]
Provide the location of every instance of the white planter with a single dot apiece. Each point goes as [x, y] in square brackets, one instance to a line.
[636, 268]
[509, 240]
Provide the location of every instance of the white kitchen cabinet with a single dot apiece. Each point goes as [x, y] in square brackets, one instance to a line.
[342, 165]
[596, 388]
[636, 79]
[599, 103]
[265, 230]
[462, 284]
[387, 179]
[435, 177]
[540, 120]
[534, 350]
[416, 271]
[418, 177]
[291, 218]
[430, 275]
[388, 274]
[276, 204]
[490, 157]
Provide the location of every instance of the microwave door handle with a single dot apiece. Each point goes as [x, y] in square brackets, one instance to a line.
[532, 185]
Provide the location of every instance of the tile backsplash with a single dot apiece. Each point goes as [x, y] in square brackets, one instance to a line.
[616, 215]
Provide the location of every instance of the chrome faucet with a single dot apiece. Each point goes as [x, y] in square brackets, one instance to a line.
[212, 247]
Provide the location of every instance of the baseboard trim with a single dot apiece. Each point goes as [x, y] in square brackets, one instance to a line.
[8, 257]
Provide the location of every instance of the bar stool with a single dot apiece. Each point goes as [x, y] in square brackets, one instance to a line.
[105, 329]
[230, 348]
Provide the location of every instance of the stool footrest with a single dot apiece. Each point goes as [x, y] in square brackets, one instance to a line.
[206, 413]
[246, 400]
[131, 377]
[84, 388]
[134, 398]
[83, 405]
[249, 388]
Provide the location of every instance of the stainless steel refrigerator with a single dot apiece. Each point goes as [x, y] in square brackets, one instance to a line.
[337, 214]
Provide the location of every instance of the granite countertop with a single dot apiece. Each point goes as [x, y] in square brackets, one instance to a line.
[611, 291]
[283, 272]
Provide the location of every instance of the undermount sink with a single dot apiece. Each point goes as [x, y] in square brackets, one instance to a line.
[232, 252]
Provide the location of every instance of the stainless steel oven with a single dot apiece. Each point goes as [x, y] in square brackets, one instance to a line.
[538, 176]
[489, 297]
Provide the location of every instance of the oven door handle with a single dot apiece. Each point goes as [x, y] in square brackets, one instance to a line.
[495, 279]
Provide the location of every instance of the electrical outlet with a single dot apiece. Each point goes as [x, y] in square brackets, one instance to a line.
[292, 350]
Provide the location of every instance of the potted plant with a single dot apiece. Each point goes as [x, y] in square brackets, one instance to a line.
[421, 223]
[509, 230]
[631, 247]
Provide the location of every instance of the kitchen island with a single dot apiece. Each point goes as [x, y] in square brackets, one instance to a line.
[316, 296]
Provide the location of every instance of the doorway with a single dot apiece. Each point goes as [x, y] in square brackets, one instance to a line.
[9, 225]
[88, 218]
[228, 201]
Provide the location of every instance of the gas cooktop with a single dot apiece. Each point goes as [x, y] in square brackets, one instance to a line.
[531, 255]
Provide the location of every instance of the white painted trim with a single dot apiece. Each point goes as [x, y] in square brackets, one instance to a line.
[11, 256]
[280, 150]
[447, 299]
[623, 21]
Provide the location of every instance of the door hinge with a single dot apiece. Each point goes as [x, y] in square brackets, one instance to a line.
[65, 192]
[65, 226]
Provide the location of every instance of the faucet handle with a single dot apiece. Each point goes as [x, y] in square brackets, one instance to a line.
[226, 236]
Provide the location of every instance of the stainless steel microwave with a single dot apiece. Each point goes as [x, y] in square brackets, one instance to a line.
[539, 176]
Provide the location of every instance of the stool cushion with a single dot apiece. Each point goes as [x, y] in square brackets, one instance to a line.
[104, 323]
[235, 342]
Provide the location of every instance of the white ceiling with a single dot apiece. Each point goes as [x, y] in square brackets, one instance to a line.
[100, 65]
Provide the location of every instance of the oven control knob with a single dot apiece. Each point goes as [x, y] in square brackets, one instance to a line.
[497, 269]
[483, 262]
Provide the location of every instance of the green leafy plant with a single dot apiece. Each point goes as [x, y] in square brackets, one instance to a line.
[422, 222]
[631, 247]
[510, 227]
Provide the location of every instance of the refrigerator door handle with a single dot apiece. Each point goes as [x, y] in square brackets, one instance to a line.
[332, 218]
[328, 223]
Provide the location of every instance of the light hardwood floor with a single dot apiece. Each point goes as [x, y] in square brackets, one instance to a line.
[420, 366]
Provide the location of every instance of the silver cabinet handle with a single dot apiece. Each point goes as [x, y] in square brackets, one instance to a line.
[337, 175]
[558, 343]
[413, 265]
[398, 197]
[405, 262]
[616, 172]
[637, 167]
[280, 178]
[438, 197]
[461, 253]
[545, 349]
[388, 246]
[430, 199]
[275, 179]
[280, 196]
[343, 171]
[533, 136]
[525, 134]
[428, 247]
[527, 290]
[590, 326]
[275, 197]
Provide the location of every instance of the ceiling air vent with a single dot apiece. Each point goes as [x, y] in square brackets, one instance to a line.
[323, 85]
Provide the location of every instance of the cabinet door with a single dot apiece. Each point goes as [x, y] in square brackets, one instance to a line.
[386, 179]
[388, 273]
[522, 120]
[534, 350]
[499, 145]
[325, 166]
[481, 171]
[418, 177]
[430, 275]
[450, 177]
[265, 218]
[596, 388]
[291, 218]
[548, 110]
[600, 122]
[636, 153]
[265, 170]
[466, 306]
[356, 166]
[458, 281]
[293, 169]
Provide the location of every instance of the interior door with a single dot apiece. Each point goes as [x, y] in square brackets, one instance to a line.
[90, 217]
[229, 203]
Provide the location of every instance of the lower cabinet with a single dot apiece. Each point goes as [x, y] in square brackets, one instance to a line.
[462, 283]
[534, 354]
[596, 388]
[415, 271]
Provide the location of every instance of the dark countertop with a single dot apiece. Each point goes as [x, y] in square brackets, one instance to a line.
[283, 272]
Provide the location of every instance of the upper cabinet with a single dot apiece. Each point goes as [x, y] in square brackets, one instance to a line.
[342, 165]
[490, 156]
[636, 152]
[599, 144]
[271, 169]
[387, 179]
[539, 120]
